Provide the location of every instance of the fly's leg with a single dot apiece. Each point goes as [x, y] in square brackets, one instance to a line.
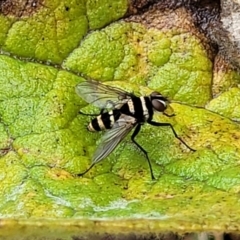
[88, 169]
[174, 132]
[135, 133]
[169, 115]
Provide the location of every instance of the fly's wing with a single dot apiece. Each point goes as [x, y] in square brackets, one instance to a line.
[101, 95]
[114, 136]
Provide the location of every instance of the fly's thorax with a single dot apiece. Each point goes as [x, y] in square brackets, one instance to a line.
[146, 108]
[139, 108]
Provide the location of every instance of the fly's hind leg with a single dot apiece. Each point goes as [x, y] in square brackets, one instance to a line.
[135, 133]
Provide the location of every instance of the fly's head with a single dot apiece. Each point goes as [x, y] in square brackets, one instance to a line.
[159, 102]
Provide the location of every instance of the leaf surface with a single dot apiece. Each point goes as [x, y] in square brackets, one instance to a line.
[44, 142]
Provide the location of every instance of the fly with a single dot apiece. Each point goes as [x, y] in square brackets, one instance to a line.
[120, 113]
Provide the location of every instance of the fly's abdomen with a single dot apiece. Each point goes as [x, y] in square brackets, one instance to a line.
[104, 121]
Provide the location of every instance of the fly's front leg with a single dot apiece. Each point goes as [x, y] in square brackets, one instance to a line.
[169, 115]
[174, 132]
[135, 133]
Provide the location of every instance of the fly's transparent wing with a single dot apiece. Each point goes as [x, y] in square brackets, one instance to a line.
[114, 136]
[101, 95]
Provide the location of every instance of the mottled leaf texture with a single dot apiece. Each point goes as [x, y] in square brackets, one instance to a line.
[47, 49]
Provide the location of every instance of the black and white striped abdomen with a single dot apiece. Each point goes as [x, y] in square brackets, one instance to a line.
[104, 121]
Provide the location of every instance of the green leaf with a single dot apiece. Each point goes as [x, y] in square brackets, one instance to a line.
[44, 142]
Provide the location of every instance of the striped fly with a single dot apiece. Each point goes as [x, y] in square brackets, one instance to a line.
[121, 112]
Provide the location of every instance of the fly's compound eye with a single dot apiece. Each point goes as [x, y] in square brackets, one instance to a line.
[159, 102]
[159, 105]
